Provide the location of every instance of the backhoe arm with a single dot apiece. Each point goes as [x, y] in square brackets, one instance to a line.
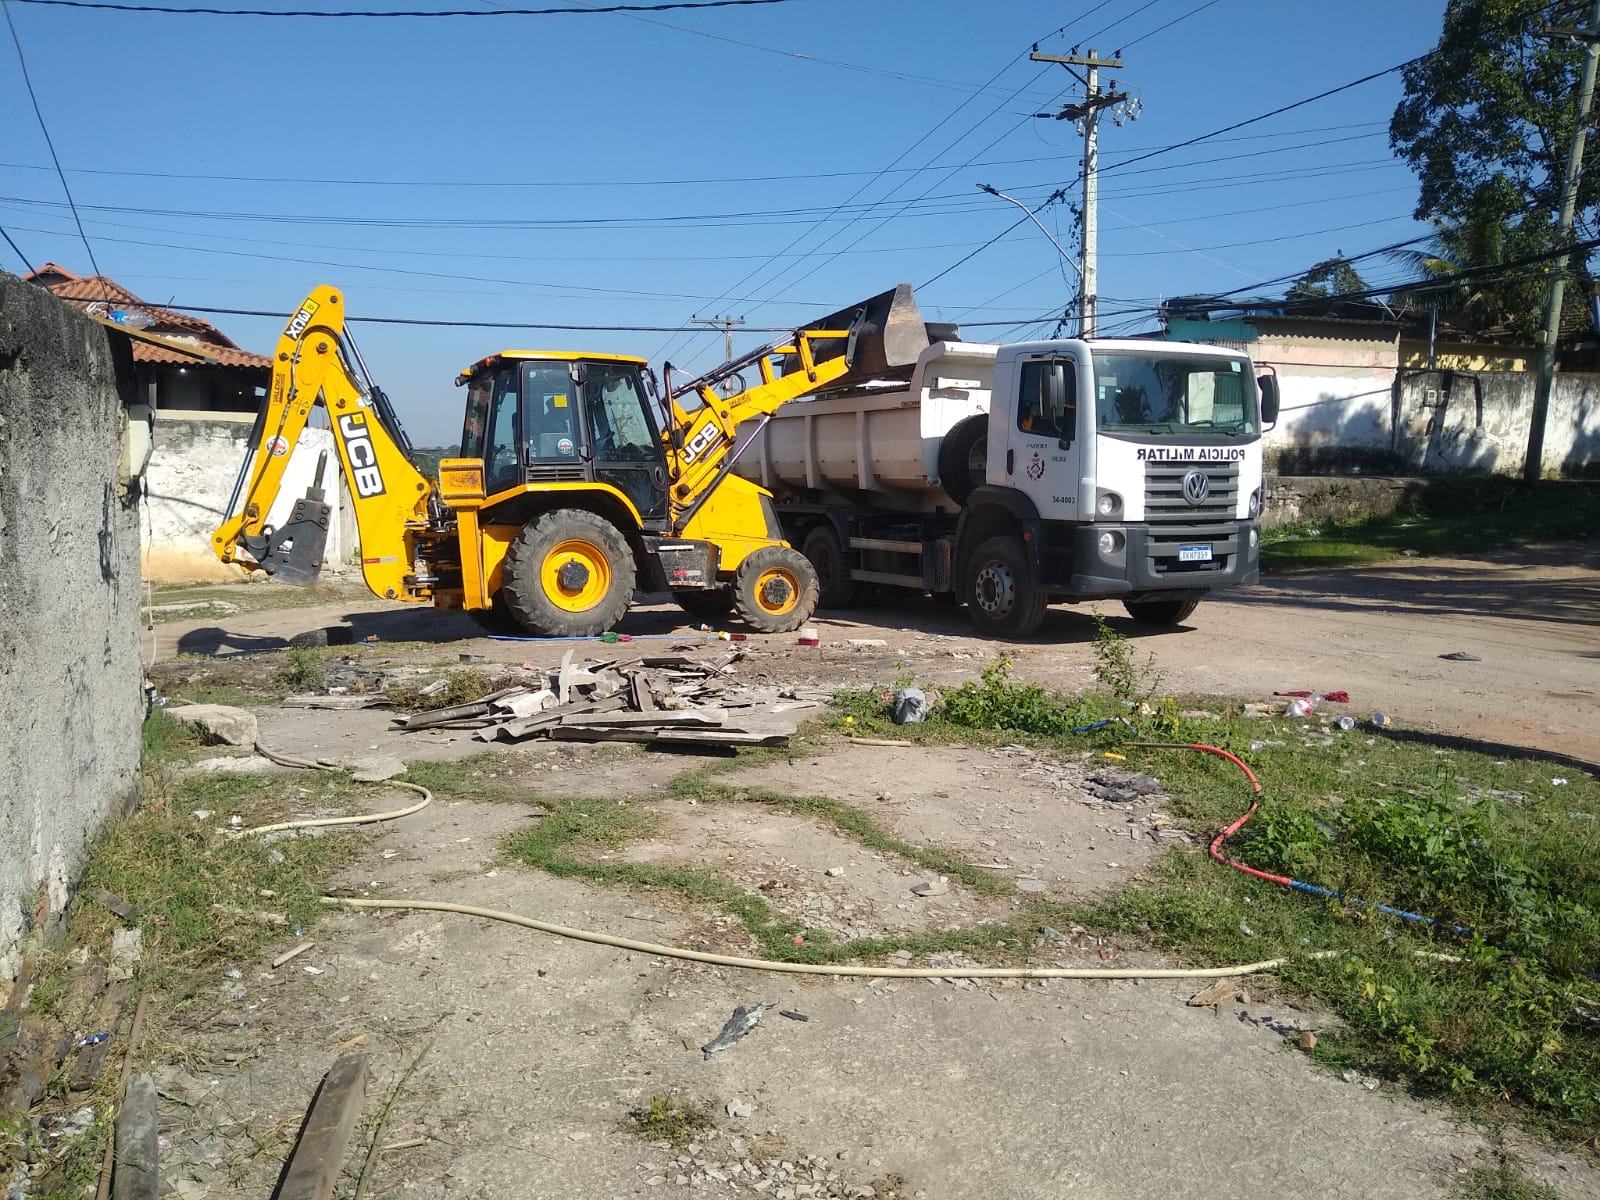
[312, 365]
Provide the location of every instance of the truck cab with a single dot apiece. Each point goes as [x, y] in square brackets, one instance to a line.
[1141, 459]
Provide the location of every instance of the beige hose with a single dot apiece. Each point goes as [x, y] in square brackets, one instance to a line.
[792, 968]
[286, 760]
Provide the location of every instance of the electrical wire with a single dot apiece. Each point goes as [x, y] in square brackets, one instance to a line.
[49, 142]
[15, 249]
[1175, 20]
[586, 10]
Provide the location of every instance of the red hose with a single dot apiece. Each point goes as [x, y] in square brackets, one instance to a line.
[1216, 842]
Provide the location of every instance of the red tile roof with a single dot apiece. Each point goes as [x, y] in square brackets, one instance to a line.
[97, 294]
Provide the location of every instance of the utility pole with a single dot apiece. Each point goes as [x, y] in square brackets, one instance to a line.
[1087, 115]
[1533, 464]
[727, 324]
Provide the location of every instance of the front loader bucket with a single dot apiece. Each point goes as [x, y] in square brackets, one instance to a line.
[887, 334]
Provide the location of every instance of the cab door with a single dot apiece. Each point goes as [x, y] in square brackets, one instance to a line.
[623, 437]
[1040, 451]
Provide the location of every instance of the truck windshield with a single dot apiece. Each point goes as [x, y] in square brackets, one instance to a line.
[1173, 394]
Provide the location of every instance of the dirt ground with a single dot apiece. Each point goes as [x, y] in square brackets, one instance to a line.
[539, 1047]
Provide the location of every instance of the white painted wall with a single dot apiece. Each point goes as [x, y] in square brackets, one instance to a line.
[190, 478]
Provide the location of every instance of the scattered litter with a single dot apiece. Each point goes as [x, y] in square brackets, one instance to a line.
[867, 642]
[1031, 885]
[1052, 935]
[1461, 656]
[739, 1108]
[473, 658]
[931, 887]
[1330, 697]
[234, 973]
[1222, 989]
[312, 970]
[793, 1015]
[1346, 722]
[403, 1144]
[910, 706]
[1379, 720]
[1558, 781]
[742, 1022]
[1244, 928]
[834, 872]
[1302, 706]
[163, 1143]
[1308, 1040]
[94, 1039]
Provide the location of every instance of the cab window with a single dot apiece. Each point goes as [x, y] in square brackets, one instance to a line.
[618, 415]
[552, 411]
[502, 466]
[1037, 412]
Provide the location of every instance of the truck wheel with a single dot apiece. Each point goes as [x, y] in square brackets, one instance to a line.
[1000, 593]
[963, 457]
[1170, 610]
[707, 604]
[835, 588]
[569, 573]
[775, 589]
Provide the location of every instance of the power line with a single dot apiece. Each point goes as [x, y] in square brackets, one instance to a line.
[1163, 28]
[16, 249]
[586, 10]
[451, 324]
[60, 174]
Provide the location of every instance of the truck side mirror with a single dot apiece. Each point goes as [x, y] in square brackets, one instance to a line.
[1060, 400]
[1269, 400]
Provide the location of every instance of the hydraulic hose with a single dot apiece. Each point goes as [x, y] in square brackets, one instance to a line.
[1297, 885]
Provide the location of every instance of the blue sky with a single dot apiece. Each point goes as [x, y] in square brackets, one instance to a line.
[773, 163]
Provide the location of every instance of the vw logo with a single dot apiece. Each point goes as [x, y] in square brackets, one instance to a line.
[1196, 487]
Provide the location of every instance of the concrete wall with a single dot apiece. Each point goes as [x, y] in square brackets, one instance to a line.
[1454, 422]
[70, 669]
[191, 478]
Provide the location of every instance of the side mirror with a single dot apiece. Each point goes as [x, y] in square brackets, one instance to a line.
[1269, 400]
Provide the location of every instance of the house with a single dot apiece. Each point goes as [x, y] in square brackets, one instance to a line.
[1368, 389]
[205, 392]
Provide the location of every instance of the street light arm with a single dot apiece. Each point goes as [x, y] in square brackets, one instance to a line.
[984, 187]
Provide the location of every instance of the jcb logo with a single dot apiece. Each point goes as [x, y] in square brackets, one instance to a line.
[700, 443]
[297, 324]
[363, 458]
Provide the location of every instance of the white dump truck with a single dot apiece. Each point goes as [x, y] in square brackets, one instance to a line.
[1008, 477]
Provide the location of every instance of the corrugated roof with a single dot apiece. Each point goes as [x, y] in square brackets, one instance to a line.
[98, 295]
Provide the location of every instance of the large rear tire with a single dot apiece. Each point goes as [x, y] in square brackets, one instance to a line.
[569, 573]
[775, 589]
[1001, 594]
[497, 619]
[963, 457]
[1172, 609]
[708, 604]
[835, 588]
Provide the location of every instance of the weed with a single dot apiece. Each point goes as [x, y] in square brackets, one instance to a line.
[462, 686]
[302, 669]
[1503, 1181]
[669, 1119]
[1128, 680]
[996, 701]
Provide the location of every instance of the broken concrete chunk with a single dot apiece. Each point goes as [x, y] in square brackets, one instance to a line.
[932, 887]
[218, 722]
[376, 769]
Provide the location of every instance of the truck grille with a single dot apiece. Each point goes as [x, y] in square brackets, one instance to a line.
[1175, 522]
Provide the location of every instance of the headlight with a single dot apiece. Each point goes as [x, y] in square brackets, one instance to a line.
[1110, 543]
[1255, 540]
[1255, 504]
[1109, 504]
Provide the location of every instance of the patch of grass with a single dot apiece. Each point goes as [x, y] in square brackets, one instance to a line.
[462, 686]
[1486, 514]
[302, 669]
[178, 868]
[669, 1119]
[1504, 1181]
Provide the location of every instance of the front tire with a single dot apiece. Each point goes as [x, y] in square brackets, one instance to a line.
[1170, 610]
[569, 573]
[835, 588]
[1001, 594]
[775, 589]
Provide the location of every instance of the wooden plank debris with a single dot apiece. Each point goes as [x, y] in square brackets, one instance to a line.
[671, 698]
[319, 1155]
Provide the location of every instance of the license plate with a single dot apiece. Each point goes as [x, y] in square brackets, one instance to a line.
[1194, 553]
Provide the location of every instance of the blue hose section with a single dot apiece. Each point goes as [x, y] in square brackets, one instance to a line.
[1330, 894]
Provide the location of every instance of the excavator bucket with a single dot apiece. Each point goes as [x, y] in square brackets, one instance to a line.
[886, 335]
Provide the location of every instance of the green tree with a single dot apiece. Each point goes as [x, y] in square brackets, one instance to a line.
[1330, 277]
[1485, 123]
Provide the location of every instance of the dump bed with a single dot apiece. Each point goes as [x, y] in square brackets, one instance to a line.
[880, 438]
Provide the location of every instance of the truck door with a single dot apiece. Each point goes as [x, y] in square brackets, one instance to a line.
[1034, 441]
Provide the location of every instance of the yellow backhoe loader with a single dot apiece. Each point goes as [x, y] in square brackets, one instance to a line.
[578, 482]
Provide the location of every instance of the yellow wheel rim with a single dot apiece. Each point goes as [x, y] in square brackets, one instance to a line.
[777, 591]
[576, 575]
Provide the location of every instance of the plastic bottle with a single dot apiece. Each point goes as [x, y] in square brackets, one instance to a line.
[1346, 722]
[1302, 706]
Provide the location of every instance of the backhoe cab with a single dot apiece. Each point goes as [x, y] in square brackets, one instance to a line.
[578, 482]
